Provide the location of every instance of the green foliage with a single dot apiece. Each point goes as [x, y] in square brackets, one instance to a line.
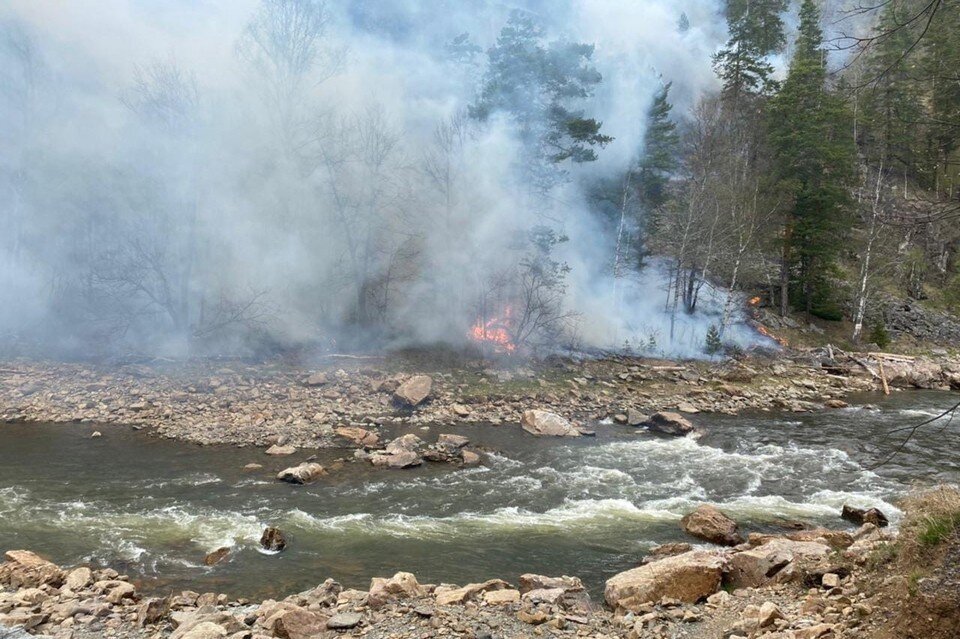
[879, 335]
[713, 344]
[660, 146]
[756, 31]
[815, 155]
[936, 529]
[537, 83]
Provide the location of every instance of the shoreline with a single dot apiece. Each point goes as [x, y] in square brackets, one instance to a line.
[243, 404]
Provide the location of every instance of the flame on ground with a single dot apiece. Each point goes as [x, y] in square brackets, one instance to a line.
[754, 300]
[495, 332]
[764, 331]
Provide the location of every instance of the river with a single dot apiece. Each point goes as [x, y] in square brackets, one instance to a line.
[589, 507]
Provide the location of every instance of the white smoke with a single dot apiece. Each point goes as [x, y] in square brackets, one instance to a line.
[226, 214]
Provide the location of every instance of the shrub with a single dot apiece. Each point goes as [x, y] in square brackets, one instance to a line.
[713, 342]
[880, 336]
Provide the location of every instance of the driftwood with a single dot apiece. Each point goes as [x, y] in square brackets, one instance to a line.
[883, 378]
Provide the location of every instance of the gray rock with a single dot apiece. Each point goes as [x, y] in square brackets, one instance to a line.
[344, 620]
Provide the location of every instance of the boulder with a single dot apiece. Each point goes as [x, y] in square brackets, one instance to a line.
[470, 458]
[303, 474]
[344, 621]
[669, 424]
[316, 379]
[405, 459]
[120, 591]
[78, 579]
[451, 443]
[572, 594]
[501, 597]
[281, 451]
[359, 436]
[768, 562]
[24, 569]
[203, 630]
[402, 585]
[414, 391]
[449, 595]
[862, 516]
[688, 577]
[544, 423]
[635, 417]
[530, 582]
[273, 539]
[216, 556]
[709, 524]
[297, 623]
[152, 610]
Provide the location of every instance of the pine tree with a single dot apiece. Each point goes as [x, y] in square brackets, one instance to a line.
[756, 31]
[683, 24]
[713, 344]
[538, 83]
[660, 146]
[815, 156]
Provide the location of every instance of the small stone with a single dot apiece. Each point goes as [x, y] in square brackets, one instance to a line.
[830, 580]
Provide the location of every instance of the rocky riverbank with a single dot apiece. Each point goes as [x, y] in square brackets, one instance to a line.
[802, 585]
[260, 404]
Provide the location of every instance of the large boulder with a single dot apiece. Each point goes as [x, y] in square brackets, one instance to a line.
[297, 623]
[403, 585]
[25, 569]
[669, 424]
[688, 577]
[544, 423]
[862, 516]
[359, 436]
[402, 452]
[709, 524]
[414, 391]
[777, 560]
[303, 474]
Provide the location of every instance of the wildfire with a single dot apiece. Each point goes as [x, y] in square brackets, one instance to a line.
[495, 332]
[754, 300]
[763, 331]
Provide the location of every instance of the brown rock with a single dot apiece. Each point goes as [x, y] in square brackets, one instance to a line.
[688, 577]
[446, 596]
[78, 579]
[544, 423]
[273, 539]
[216, 556]
[708, 523]
[669, 424]
[667, 550]
[470, 458]
[764, 564]
[24, 569]
[402, 585]
[281, 451]
[316, 379]
[152, 610]
[862, 516]
[298, 624]
[359, 436]
[414, 391]
[501, 597]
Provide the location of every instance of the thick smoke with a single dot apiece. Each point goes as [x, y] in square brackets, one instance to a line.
[168, 187]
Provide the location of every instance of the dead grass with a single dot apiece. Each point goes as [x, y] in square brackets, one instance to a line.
[932, 518]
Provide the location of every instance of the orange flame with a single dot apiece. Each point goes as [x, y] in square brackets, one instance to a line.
[754, 300]
[763, 331]
[495, 332]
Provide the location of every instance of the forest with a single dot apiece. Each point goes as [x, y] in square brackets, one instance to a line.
[371, 174]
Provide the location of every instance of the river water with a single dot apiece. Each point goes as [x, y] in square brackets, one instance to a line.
[589, 507]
